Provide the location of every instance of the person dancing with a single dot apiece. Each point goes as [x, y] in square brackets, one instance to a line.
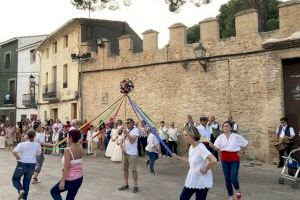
[72, 171]
[230, 144]
[199, 178]
[25, 154]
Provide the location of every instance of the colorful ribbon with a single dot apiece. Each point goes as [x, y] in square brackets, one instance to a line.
[134, 106]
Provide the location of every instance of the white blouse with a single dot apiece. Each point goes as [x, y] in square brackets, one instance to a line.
[233, 144]
[198, 159]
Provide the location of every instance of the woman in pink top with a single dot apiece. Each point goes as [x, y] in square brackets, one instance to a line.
[72, 172]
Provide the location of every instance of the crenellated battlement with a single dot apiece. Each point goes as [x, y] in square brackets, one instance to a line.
[247, 39]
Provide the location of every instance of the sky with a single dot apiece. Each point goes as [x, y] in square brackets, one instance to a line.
[38, 17]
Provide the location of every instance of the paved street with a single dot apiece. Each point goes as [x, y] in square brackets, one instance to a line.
[102, 178]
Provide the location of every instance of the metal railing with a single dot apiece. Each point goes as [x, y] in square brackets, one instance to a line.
[29, 100]
[49, 91]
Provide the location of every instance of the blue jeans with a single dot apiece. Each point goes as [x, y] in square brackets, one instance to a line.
[71, 186]
[187, 193]
[152, 158]
[26, 170]
[231, 172]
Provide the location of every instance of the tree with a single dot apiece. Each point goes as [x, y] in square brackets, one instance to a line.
[267, 15]
[193, 34]
[174, 5]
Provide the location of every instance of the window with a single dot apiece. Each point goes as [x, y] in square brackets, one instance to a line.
[32, 56]
[54, 47]
[7, 59]
[65, 76]
[47, 53]
[23, 117]
[66, 41]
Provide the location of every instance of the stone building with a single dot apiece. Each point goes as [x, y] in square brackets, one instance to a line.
[59, 90]
[254, 76]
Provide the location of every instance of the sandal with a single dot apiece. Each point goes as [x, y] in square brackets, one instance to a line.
[124, 187]
[135, 189]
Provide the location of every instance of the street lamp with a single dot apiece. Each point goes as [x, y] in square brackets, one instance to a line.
[79, 58]
[202, 56]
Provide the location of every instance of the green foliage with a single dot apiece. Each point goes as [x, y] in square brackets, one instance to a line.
[174, 5]
[226, 17]
[193, 34]
[267, 11]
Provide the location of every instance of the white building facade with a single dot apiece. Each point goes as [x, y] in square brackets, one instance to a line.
[28, 77]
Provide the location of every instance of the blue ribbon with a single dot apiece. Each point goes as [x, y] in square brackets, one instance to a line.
[135, 107]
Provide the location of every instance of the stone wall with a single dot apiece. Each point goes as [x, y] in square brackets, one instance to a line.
[243, 78]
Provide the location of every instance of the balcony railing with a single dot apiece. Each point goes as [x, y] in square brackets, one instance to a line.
[9, 99]
[29, 100]
[49, 91]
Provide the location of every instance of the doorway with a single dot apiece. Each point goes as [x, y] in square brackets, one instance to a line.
[54, 113]
[73, 110]
[291, 81]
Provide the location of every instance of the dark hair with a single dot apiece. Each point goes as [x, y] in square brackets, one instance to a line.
[162, 122]
[285, 119]
[68, 122]
[36, 125]
[101, 125]
[31, 134]
[130, 120]
[228, 122]
[203, 119]
[75, 135]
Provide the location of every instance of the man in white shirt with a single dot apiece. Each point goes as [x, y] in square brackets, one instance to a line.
[286, 134]
[40, 137]
[173, 137]
[204, 130]
[214, 128]
[163, 134]
[235, 125]
[130, 154]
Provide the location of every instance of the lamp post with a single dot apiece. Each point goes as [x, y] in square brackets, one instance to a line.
[202, 56]
[32, 88]
[79, 58]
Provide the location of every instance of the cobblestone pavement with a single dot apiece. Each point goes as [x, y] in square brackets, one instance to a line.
[102, 178]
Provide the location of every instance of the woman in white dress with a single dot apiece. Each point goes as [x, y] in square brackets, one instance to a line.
[199, 178]
[95, 142]
[118, 149]
[112, 142]
[2, 138]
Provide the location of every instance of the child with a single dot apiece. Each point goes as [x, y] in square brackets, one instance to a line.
[112, 142]
[55, 140]
[116, 155]
[90, 141]
[95, 142]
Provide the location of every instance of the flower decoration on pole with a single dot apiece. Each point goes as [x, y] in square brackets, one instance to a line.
[126, 86]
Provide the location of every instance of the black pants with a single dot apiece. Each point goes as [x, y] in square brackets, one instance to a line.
[142, 143]
[71, 187]
[288, 150]
[163, 150]
[173, 146]
[187, 193]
